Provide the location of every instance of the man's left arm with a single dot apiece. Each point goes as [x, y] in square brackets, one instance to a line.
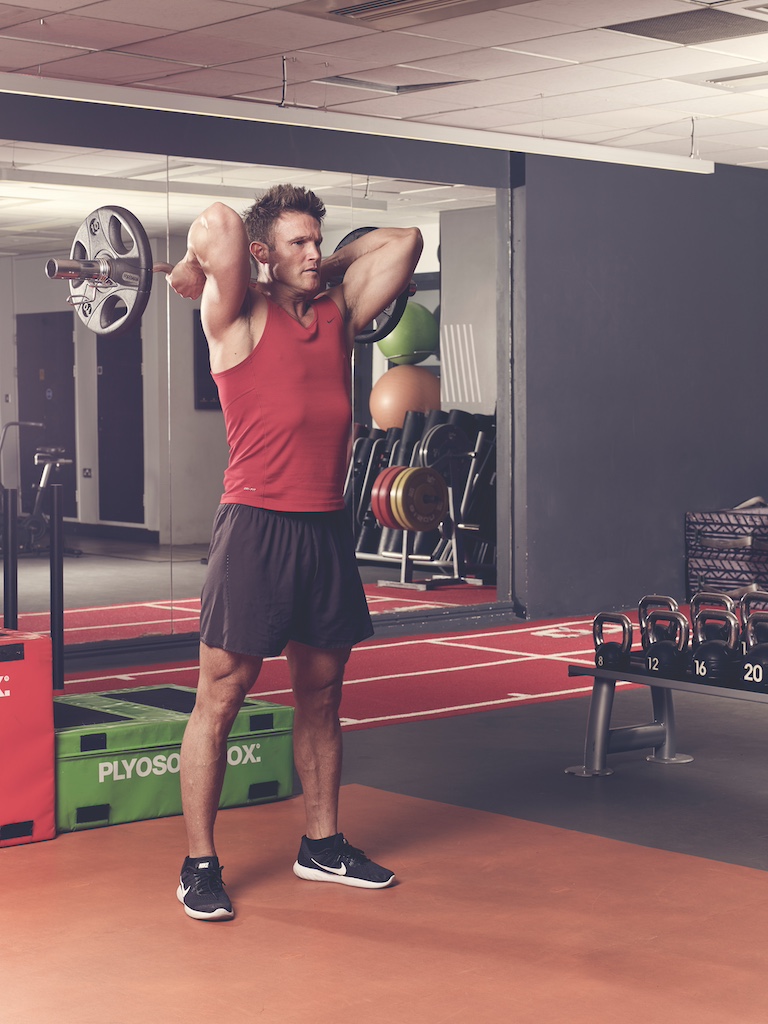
[376, 268]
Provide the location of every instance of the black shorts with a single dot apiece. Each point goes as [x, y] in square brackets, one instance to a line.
[279, 576]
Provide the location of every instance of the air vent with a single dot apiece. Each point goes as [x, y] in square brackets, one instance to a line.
[397, 14]
[692, 27]
[378, 10]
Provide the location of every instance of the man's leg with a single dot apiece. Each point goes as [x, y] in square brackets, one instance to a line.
[316, 677]
[324, 855]
[224, 681]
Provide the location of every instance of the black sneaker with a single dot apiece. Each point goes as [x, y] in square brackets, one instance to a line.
[201, 890]
[341, 863]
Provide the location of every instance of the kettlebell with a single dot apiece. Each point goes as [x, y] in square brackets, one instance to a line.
[611, 654]
[747, 604]
[666, 657]
[715, 652]
[647, 603]
[715, 629]
[754, 667]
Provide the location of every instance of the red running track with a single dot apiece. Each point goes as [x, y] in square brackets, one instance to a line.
[417, 678]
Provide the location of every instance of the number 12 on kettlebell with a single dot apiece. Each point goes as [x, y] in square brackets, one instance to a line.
[666, 657]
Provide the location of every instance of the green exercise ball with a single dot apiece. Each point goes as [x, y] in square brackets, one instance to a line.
[414, 338]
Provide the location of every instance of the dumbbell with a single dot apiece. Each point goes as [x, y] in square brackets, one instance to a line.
[754, 666]
[647, 603]
[747, 605]
[611, 654]
[715, 655]
[666, 648]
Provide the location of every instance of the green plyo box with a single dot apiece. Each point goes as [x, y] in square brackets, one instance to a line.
[117, 755]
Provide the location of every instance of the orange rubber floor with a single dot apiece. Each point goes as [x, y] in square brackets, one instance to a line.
[493, 919]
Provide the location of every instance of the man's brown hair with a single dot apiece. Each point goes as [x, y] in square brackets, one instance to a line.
[260, 218]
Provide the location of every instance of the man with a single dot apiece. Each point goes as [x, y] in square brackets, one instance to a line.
[282, 574]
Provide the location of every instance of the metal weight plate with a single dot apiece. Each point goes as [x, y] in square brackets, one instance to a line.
[440, 442]
[380, 497]
[387, 320]
[419, 499]
[114, 302]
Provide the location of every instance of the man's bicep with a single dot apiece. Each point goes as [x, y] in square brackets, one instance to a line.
[378, 277]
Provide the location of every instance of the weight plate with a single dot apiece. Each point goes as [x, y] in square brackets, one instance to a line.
[440, 442]
[419, 499]
[115, 235]
[387, 320]
[380, 497]
[395, 496]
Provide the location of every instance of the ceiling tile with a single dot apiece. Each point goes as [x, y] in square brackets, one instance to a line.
[674, 63]
[387, 47]
[488, 28]
[593, 44]
[302, 65]
[83, 32]
[208, 82]
[16, 55]
[488, 118]
[120, 68]
[485, 63]
[403, 106]
[596, 13]
[754, 47]
[720, 104]
[170, 14]
[195, 47]
[12, 15]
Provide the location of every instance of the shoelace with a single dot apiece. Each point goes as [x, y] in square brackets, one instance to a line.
[352, 854]
[208, 882]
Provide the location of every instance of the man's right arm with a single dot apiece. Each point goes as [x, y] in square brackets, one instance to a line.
[216, 266]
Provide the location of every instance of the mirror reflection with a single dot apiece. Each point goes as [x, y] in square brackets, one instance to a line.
[131, 427]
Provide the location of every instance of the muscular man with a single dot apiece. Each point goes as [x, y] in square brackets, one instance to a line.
[282, 574]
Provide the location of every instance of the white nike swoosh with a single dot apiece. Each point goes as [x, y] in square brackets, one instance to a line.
[335, 871]
[185, 889]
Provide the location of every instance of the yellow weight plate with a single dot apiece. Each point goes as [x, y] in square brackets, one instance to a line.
[395, 497]
[420, 499]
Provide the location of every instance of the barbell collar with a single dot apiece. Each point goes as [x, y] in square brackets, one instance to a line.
[79, 270]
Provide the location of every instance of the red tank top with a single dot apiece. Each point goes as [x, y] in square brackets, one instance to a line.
[288, 412]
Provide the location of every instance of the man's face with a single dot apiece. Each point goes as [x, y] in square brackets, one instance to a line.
[294, 257]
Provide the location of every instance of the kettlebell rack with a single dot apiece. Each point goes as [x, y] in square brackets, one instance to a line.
[660, 733]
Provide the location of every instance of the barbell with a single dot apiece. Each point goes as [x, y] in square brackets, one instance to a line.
[110, 271]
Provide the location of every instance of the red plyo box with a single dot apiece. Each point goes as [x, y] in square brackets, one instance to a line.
[27, 770]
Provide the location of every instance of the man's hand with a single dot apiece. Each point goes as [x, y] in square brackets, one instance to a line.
[187, 279]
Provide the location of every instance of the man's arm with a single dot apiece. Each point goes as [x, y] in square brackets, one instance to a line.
[376, 268]
[216, 266]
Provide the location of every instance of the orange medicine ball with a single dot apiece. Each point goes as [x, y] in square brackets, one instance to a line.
[402, 389]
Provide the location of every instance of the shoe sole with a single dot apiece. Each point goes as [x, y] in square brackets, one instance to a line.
[221, 914]
[315, 875]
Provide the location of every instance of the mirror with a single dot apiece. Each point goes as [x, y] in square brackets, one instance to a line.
[137, 420]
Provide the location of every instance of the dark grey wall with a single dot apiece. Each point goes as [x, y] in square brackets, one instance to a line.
[646, 362]
[40, 118]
